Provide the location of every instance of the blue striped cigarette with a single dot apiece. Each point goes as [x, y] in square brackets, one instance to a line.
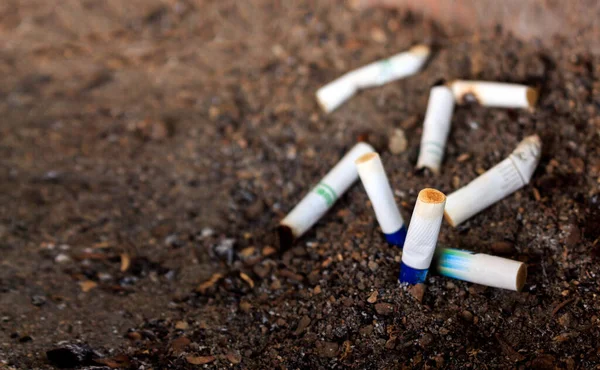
[481, 268]
[373, 177]
[422, 236]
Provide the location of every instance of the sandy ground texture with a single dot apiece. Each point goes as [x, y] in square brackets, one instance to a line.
[148, 149]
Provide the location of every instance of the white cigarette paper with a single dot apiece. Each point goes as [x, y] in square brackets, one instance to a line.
[378, 73]
[314, 205]
[373, 177]
[495, 94]
[481, 268]
[423, 229]
[498, 182]
[436, 128]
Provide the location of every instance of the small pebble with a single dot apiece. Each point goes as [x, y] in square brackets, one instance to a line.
[71, 355]
[467, 316]
[302, 325]
[373, 266]
[373, 297]
[38, 300]
[62, 258]
[384, 308]
[398, 142]
[327, 349]
[425, 340]
[417, 291]
[503, 247]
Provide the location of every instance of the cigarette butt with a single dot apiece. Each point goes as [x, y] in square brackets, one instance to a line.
[377, 73]
[373, 177]
[481, 268]
[422, 236]
[322, 197]
[436, 128]
[497, 183]
[494, 94]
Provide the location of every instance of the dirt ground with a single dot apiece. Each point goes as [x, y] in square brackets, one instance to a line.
[148, 149]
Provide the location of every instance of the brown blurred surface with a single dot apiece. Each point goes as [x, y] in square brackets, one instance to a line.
[577, 21]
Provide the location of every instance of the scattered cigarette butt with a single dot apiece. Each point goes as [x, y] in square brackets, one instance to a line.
[378, 73]
[422, 236]
[436, 128]
[322, 197]
[481, 268]
[494, 94]
[373, 177]
[398, 142]
[498, 182]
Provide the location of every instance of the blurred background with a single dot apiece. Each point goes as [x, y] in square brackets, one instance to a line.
[148, 148]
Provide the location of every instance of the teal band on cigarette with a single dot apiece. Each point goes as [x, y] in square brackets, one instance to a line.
[481, 268]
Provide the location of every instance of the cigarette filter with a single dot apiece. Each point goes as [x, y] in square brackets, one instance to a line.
[378, 73]
[481, 268]
[422, 236]
[495, 94]
[500, 181]
[436, 127]
[372, 174]
[314, 205]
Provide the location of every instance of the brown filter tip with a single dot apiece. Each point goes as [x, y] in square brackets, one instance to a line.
[420, 50]
[365, 157]
[521, 277]
[532, 96]
[433, 196]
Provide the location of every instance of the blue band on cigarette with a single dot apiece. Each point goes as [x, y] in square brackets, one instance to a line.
[411, 275]
[398, 237]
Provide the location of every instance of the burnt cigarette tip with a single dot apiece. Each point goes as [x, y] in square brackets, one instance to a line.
[285, 237]
[420, 49]
[431, 196]
[521, 277]
[365, 157]
[532, 96]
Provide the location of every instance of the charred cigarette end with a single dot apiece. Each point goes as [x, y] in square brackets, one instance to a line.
[431, 196]
[494, 94]
[422, 169]
[450, 83]
[421, 50]
[440, 82]
[285, 237]
[449, 219]
[532, 95]
[469, 97]
[521, 277]
[365, 158]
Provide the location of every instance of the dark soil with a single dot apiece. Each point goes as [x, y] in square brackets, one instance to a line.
[149, 148]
